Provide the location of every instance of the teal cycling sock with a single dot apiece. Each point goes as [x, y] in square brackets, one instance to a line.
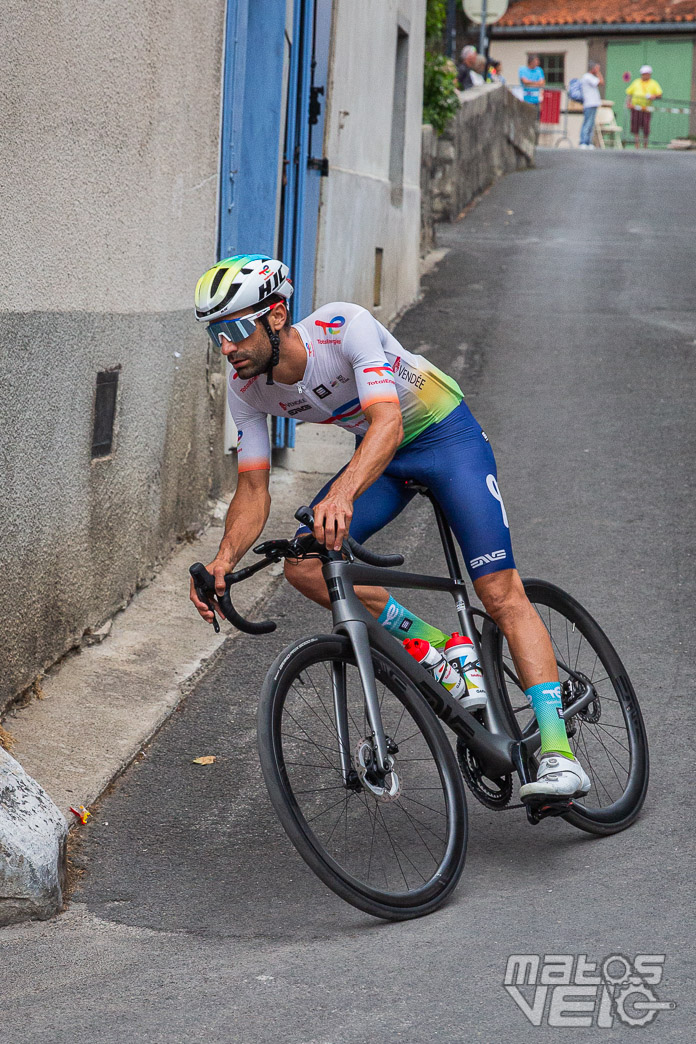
[402, 623]
[546, 703]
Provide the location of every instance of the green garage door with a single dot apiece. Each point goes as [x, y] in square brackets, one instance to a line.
[671, 61]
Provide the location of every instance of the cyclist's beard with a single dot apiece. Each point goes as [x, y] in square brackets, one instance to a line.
[257, 357]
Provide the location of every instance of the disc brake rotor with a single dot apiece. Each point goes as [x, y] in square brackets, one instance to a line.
[571, 689]
[493, 793]
[384, 788]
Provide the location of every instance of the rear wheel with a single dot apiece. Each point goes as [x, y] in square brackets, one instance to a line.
[394, 846]
[608, 736]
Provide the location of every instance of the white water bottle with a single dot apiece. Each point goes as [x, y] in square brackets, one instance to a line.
[460, 653]
[436, 664]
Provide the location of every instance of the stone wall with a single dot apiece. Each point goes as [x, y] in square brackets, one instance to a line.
[492, 134]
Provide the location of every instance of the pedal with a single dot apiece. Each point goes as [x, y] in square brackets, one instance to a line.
[540, 807]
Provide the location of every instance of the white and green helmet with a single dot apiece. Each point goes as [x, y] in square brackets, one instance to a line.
[240, 282]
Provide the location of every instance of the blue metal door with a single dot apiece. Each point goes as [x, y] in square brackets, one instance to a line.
[304, 161]
[251, 126]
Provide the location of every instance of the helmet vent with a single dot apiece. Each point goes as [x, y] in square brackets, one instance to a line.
[219, 275]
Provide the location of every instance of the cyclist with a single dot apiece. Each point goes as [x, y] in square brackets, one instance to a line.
[341, 366]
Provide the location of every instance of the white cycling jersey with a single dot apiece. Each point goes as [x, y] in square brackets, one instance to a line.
[352, 362]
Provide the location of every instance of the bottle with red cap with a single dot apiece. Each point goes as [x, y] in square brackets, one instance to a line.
[461, 654]
[436, 664]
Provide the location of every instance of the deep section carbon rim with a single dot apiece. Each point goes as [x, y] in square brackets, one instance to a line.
[608, 736]
[385, 844]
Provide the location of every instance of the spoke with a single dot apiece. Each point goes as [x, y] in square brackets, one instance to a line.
[363, 800]
[303, 739]
[308, 764]
[601, 725]
[588, 762]
[422, 804]
[329, 715]
[611, 766]
[323, 813]
[319, 790]
[612, 757]
[414, 820]
[333, 829]
[316, 714]
[309, 737]
[389, 838]
[326, 668]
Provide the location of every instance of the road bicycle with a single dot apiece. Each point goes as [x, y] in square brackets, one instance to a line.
[358, 767]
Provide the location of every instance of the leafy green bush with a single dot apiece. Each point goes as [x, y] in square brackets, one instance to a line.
[440, 101]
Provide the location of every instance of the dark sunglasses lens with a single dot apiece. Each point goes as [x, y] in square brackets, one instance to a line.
[234, 330]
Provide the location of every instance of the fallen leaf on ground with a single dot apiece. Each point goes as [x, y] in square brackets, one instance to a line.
[208, 759]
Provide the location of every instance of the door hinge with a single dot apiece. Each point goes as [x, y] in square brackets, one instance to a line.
[322, 165]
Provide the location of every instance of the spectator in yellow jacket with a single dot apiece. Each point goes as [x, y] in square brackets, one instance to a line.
[641, 93]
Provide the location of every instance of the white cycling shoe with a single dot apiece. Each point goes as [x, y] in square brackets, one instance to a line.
[558, 777]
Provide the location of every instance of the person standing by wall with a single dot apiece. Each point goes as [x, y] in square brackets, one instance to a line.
[532, 78]
[467, 59]
[641, 93]
[591, 100]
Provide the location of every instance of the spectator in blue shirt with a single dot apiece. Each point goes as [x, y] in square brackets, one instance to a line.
[532, 77]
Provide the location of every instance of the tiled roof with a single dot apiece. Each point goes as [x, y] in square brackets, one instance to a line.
[591, 12]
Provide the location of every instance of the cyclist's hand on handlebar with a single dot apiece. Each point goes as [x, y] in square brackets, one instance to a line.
[332, 517]
[218, 567]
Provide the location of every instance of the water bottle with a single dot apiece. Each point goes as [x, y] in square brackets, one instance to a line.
[460, 654]
[436, 664]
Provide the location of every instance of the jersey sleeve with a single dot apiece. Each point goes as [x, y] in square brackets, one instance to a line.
[362, 346]
[253, 442]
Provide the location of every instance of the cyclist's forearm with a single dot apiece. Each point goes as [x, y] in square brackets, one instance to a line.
[371, 457]
[246, 518]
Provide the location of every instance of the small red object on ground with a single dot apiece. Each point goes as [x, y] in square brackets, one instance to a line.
[81, 812]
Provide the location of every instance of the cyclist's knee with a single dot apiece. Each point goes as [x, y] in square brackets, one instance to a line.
[502, 594]
[304, 575]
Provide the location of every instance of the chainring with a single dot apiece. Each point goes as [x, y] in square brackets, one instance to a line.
[493, 793]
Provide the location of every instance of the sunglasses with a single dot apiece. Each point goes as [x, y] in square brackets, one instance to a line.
[236, 330]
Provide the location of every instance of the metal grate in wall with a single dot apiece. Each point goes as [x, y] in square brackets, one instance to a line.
[104, 413]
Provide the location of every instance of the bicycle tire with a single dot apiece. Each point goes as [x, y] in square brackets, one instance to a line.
[621, 812]
[295, 662]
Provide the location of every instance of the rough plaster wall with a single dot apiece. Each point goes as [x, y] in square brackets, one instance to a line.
[357, 214]
[109, 135]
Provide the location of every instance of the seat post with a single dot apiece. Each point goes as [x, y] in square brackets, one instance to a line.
[447, 540]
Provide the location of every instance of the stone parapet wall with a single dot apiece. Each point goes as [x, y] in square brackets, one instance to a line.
[492, 134]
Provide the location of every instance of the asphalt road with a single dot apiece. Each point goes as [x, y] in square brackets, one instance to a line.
[566, 310]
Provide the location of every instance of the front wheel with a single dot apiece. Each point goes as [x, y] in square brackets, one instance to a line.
[393, 847]
[608, 737]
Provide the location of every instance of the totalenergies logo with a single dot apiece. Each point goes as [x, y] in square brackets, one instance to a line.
[333, 326]
[381, 370]
[265, 271]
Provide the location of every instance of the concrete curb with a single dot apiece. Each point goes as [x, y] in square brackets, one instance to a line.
[33, 841]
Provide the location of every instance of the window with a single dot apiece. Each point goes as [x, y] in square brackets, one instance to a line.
[553, 66]
[398, 130]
